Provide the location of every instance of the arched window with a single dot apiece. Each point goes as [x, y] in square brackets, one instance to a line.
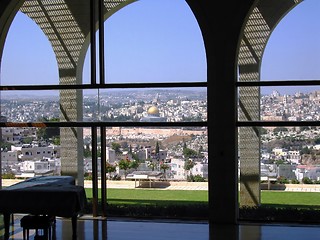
[278, 95]
[126, 72]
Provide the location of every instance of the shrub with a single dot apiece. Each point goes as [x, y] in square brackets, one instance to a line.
[195, 178]
[295, 181]
[170, 211]
[8, 176]
[307, 180]
[200, 212]
[279, 214]
[283, 180]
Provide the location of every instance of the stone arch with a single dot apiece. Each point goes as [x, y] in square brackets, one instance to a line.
[261, 21]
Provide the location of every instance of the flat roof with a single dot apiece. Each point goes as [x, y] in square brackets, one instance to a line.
[145, 175]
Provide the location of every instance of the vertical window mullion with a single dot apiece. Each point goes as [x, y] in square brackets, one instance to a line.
[101, 42]
[94, 171]
[94, 129]
[93, 41]
[102, 129]
[103, 171]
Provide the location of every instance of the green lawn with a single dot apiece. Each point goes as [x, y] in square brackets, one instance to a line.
[153, 196]
[193, 205]
[292, 199]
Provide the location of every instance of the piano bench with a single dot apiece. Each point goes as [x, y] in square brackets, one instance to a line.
[37, 222]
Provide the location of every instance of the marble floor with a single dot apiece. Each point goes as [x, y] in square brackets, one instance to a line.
[130, 229]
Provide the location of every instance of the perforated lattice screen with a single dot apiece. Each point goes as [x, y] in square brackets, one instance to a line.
[66, 23]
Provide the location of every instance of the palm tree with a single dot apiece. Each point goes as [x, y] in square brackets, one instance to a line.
[164, 167]
[152, 165]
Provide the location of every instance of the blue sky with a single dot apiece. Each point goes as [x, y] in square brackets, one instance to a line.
[147, 41]
[159, 40]
[293, 50]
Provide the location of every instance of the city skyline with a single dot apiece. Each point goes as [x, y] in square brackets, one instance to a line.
[173, 105]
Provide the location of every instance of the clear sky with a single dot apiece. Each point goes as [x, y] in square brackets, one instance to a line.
[159, 40]
[147, 41]
[293, 50]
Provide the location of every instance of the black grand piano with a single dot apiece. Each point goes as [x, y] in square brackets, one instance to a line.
[44, 195]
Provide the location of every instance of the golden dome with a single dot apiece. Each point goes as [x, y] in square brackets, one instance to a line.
[153, 110]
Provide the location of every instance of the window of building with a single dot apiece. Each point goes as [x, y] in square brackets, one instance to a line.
[90, 86]
[277, 98]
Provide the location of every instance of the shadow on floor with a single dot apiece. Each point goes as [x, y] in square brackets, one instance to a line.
[130, 229]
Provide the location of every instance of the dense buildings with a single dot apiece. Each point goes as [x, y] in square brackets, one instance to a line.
[273, 106]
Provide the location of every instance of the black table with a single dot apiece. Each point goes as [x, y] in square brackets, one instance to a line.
[44, 195]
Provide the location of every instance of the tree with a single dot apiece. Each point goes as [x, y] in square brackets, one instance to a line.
[304, 128]
[130, 149]
[200, 150]
[110, 168]
[188, 165]
[134, 164]
[27, 140]
[164, 167]
[56, 140]
[184, 145]
[280, 129]
[187, 152]
[116, 147]
[262, 131]
[157, 148]
[5, 145]
[305, 150]
[152, 165]
[49, 132]
[124, 164]
[86, 151]
[135, 157]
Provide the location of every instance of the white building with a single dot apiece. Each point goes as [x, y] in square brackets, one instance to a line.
[9, 158]
[110, 155]
[294, 157]
[316, 147]
[312, 172]
[10, 135]
[15, 135]
[200, 169]
[280, 152]
[149, 153]
[39, 167]
[33, 151]
[177, 169]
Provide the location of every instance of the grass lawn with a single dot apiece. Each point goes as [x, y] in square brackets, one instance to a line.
[291, 199]
[277, 206]
[153, 196]
[162, 197]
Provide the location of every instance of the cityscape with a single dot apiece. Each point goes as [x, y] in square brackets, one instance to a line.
[290, 153]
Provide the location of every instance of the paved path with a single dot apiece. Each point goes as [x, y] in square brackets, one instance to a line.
[174, 185]
[162, 185]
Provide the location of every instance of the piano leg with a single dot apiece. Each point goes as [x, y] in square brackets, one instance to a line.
[74, 227]
[6, 219]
